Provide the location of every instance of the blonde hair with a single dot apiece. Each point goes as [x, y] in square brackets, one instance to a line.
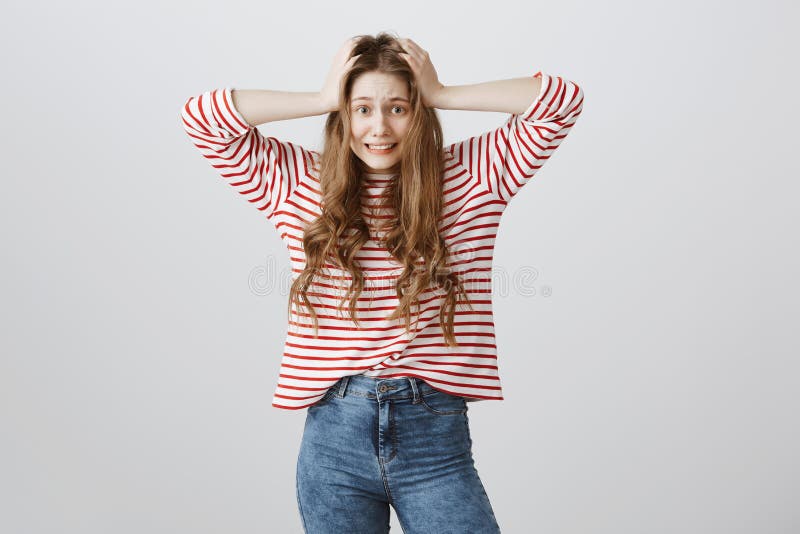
[414, 197]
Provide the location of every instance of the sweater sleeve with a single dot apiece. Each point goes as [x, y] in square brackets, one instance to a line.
[506, 158]
[262, 169]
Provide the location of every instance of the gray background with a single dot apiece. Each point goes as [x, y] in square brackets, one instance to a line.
[646, 355]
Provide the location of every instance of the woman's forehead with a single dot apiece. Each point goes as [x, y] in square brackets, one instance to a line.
[379, 85]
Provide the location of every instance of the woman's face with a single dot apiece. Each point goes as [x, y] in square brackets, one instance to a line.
[380, 115]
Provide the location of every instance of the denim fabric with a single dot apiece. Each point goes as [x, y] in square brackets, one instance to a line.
[371, 443]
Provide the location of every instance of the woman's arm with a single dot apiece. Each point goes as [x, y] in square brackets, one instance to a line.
[222, 123]
[543, 109]
[263, 169]
[258, 106]
[502, 96]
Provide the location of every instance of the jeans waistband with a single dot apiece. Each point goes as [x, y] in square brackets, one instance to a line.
[404, 387]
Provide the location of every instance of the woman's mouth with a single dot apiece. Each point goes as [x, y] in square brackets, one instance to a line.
[380, 149]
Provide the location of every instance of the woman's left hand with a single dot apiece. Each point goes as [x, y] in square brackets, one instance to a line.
[420, 62]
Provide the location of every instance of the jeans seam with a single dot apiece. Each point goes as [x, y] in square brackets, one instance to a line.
[434, 411]
[300, 505]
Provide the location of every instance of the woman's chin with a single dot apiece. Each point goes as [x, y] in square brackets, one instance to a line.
[380, 167]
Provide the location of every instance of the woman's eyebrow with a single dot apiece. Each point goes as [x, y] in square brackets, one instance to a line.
[390, 99]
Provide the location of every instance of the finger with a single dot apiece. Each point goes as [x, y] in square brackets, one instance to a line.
[413, 46]
[420, 51]
[413, 63]
[417, 52]
[411, 53]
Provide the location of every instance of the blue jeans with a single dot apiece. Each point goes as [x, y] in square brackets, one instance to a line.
[370, 443]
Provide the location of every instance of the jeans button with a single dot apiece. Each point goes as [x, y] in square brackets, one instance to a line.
[382, 388]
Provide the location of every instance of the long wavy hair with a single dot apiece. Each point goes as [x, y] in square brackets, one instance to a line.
[414, 198]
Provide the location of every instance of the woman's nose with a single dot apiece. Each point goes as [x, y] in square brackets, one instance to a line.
[380, 124]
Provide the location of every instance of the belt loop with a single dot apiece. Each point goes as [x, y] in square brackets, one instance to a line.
[413, 382]
[343, 386]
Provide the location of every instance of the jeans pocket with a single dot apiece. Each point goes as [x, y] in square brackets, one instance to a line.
[441, 403]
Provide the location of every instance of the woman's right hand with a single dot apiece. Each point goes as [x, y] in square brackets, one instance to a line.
[341, 64]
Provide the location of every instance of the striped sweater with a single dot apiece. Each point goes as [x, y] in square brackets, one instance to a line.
[480, 176]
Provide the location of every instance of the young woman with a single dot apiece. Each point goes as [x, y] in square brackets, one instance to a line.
[390, 237]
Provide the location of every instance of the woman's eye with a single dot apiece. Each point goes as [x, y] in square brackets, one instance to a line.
[401, 108]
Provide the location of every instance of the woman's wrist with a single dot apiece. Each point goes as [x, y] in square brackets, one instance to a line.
[323, 104]
[440, 99]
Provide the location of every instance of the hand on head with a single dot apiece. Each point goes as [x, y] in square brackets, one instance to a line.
[342, 62]
[424, 72]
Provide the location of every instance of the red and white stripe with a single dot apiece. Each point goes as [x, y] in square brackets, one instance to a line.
[480, 176]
